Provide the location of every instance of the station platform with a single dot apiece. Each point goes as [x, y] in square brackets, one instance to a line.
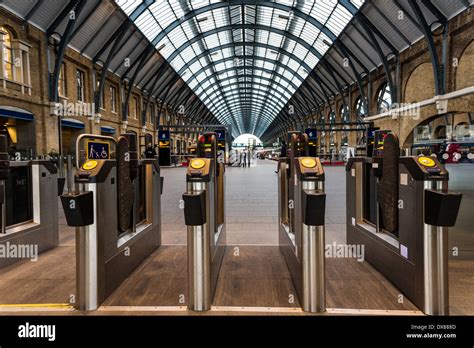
[253, 277]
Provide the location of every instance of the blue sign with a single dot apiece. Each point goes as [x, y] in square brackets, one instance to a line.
[98, 150]
[220, 134]
[311, 133]
[164, 135]
[371, 133]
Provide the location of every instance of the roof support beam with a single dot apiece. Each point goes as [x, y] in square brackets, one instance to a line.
[439, 68]
[157, 118]
[388, 75]
[131, 84]
[105, 67]
[32, 11]
[76, 6]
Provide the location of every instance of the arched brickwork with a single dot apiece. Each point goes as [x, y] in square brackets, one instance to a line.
[464, 73]
[420, 84]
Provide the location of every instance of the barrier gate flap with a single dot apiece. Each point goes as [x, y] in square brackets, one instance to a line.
[125, 189]
[387, 188]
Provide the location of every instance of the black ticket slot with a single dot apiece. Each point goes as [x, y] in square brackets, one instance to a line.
[78, 209]
[194, 208]
[441, 208]
[314, 208]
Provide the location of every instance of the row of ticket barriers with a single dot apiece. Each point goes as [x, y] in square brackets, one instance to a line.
[399, 208]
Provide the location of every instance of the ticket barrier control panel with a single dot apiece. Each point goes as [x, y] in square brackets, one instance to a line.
[205, 219]
[302, 202]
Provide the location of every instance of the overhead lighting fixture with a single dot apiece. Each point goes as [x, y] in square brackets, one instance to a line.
[273, 52]
[202, 19]
[285, 17]
[161, 47]
[214, 53]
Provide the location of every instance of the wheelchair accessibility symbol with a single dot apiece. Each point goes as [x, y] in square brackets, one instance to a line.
[98, 150]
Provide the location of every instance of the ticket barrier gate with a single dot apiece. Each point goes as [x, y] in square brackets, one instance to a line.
[204, 214]
[29, 206]
[116, 209]
[302, 202]
[400, 209]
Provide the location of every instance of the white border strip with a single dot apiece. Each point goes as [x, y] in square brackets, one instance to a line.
[275, 310]
[452, 95]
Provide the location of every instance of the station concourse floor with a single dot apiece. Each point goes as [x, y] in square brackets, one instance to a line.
[253, 273]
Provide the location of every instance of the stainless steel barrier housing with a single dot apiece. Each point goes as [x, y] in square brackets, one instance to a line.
[30, 214]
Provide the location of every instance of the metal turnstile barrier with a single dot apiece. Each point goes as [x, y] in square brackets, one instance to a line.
[116, 209]
[204, 212]
[400, 209]
[302, 202]
[29, 206]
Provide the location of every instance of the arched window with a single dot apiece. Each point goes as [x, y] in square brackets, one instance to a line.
[361, 108]
[15, 62]
[148, 139]
[440, 132]
[344, 114]
[462, 130]
[322, 140]
[361, 112]
[7, 54]
[384, 99]
[332, 134]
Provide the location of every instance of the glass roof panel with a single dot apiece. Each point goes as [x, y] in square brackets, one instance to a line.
[288, 45]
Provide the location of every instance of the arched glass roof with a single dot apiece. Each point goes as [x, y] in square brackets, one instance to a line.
[243, 58]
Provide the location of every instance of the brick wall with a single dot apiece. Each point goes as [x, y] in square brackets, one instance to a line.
[45, 127]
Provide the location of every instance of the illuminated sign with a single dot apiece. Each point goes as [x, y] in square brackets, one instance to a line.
[220, 134]
[163, 135]
[379, 142]
[97, 150]
[164, 139]
[311, 133]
